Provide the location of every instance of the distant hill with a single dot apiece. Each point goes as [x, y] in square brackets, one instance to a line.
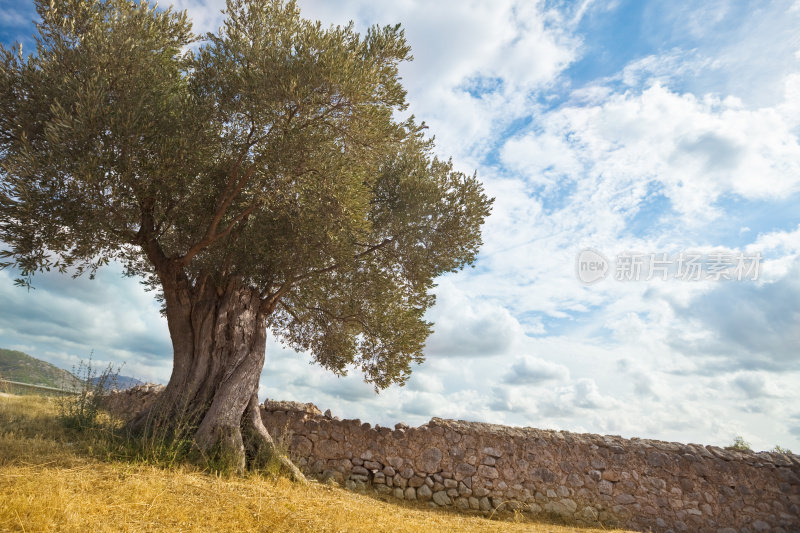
[21, 367]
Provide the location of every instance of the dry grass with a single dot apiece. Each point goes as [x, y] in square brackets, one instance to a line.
[49, 481]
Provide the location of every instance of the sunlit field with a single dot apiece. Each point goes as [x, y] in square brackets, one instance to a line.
[56, 479]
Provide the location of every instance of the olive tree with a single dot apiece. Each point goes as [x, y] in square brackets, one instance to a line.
[261, 178]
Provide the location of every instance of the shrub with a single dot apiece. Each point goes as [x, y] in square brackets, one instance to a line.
[740, 444]
[81, 408]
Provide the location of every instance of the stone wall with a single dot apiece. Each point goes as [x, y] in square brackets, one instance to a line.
[590, 479]
[587, 479]
[126, 403]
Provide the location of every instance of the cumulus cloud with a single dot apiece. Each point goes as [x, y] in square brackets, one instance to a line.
[644, 382]
[514, 400]
[587, 395]
[552, 405]
[475, 64]
[697, 149]
[423, 404]
[68, 319]
[425, 382]
[528, 370]
[748, 326]
[467, 329]
[753, 385]
[794, 428]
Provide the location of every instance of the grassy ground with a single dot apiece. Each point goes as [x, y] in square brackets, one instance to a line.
[56, 479]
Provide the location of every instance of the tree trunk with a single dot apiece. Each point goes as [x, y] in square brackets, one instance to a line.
[219, 340]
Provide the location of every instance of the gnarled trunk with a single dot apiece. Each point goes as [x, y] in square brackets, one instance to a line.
[219, 340]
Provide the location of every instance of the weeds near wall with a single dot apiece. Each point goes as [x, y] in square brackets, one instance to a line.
[82, 409]
[267, 460]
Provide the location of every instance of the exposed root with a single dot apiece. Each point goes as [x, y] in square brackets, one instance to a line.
[226, 448]
[258, 441]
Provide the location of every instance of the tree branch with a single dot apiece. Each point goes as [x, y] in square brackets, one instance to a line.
[268, 305]
[354, 317]
[234, 186]
[146, 239]
[290, 311]
[335, 266]
[211, 238]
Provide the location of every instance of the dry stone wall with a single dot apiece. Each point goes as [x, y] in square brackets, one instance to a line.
[645, 485]
[639, 484]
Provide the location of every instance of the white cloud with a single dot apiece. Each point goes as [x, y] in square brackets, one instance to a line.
[753, 385]
[9, 17]
[645, 383]
[749, 326]
[110, 316]
[662, 68]
[587, 395]
[529, 370]
[425, 382]
[459, 45]
[787, 242]
[467, 329]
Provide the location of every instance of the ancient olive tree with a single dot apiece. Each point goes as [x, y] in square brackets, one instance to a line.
[259, 178]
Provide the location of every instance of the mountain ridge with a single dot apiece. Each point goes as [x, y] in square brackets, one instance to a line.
[24, 368]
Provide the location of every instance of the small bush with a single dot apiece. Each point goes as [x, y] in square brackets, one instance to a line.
[81, 409]
[780, 449]
[740, 444]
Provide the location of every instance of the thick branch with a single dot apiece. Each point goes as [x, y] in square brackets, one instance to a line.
[145, 238]
[268, 304]
[212, 238]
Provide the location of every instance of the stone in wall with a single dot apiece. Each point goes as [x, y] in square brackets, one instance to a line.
[276, 405]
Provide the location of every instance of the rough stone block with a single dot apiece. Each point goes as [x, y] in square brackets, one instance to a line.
[424, 493]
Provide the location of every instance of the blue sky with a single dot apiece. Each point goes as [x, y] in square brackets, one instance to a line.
[633, 125]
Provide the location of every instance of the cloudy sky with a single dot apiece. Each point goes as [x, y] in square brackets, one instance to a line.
[654, 127]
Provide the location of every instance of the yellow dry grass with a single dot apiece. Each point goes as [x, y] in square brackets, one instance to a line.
[48, 483]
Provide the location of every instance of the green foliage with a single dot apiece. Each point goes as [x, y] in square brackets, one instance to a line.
[740, 444]
[268, 156]
[780, 449]
[82, 409]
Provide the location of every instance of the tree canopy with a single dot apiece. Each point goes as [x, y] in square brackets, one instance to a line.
[276, 154]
